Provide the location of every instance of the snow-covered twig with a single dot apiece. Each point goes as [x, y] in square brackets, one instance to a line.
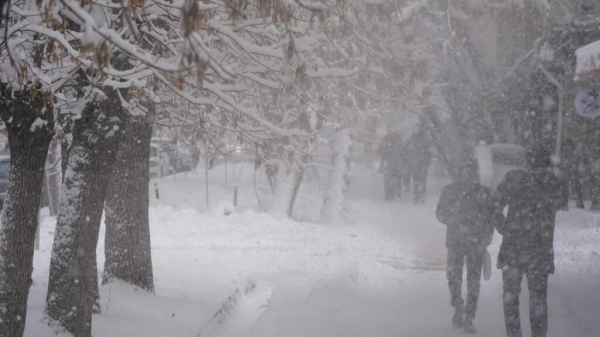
[239, 312]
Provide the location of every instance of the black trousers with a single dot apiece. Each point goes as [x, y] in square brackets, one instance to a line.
[406, 177]
[538, 308]
[393, 185]
[419, 185]
[457, 255]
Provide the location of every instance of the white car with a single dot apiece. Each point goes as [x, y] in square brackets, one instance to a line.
[495, 160]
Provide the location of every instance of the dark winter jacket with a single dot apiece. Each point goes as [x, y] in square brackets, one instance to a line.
[466, 209]
[418, 156]
[533, 197]
[391, 154]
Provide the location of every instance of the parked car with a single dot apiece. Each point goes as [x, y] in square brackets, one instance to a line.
[228, 150]
[4, 172]
[160, 164]
[182, 159]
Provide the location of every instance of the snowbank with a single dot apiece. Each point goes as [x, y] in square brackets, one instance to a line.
[381, 275]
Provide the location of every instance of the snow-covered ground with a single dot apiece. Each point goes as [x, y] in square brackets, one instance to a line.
[383, 274]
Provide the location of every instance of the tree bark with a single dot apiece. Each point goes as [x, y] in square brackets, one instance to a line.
[53, 178]
[73, 275]
[339, 178]
[65, 144]
[595, 191]
[298, 177]
[287, 191]
[30, 124]
[127, 240]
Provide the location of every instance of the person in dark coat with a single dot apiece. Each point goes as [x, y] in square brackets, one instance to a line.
[533, 197]
[465, 208]
[407, 165]
[419, 157]
[390, 151]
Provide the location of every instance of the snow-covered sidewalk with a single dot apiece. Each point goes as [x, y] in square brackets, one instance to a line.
[381, 275]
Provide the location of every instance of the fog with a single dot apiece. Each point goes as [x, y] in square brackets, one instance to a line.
[299, 168]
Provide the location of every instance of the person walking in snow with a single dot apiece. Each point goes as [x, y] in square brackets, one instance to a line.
[465, 208]
[533, 197]
[419, 159]
[407, 166]
[390, 151]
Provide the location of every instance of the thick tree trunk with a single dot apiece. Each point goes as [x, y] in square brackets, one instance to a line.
[595, 206]
[73, 275]
[127, 240]
[30, 125]
[53, 177]
[65, 143]
[339, 178]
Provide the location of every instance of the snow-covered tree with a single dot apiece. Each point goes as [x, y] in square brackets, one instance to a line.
[273, 73]
[28, 114]
[127, 239]
[27, 109]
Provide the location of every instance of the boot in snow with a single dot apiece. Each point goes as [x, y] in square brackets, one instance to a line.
[468, 326]
[457, 319]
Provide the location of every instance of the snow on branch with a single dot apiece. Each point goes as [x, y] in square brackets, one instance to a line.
[270, 71]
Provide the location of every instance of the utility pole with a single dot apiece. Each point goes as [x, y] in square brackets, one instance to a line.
[206, 174]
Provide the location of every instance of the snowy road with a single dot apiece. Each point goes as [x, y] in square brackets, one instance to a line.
[407, 294]
[382, 275]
